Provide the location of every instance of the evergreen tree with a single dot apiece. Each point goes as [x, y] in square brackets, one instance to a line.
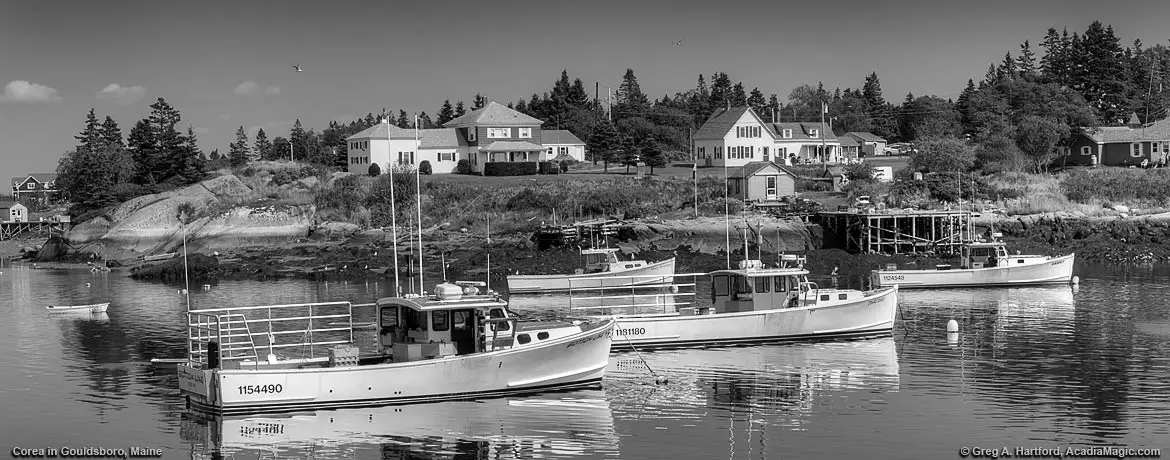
[459, 110]
[578, 95]
[425, 122]
[964, 106]
[447, 113]
[214, 155]
[1101, 76]
[87, 178]
[280, 148]
[652, 155]
[262, 148]
[699, 102]
[1026, 62]
[238, 153]
[872, 93]
[296, 136]
[194, 167]
[144, 151]
[1050, 63]
[738, 95]
[168, 143]
[479, 102]
[773, 111]
[1007, 68]
[111, 133]
[90, 138]
[631, 101]
[604, 143]
[758, 104]
[720, 93]
[992, 76]
[404, 120]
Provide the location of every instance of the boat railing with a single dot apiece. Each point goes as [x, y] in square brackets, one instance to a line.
[666, 293]
[242, 333]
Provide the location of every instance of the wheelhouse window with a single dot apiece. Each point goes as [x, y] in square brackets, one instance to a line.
[742, 285]
[441, 320]
[762, 285]
[389, 316]
[721, 286]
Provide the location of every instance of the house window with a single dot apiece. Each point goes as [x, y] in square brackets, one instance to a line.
[405, 158]
[788, 134]
[1155, 147]
[31, 186]
[550, 151]
[446, 156]
[562, 151]
[813, 133]
[1165, 147]
[1085, 150]
[1135, 149]
[525, 133]
[499, 133]
[739, 131]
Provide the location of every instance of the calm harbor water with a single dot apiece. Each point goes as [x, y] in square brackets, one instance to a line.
[1031, 367]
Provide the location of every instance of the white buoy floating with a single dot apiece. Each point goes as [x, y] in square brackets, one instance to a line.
[87, 284]
[661, 380]
[1076, 280]
[952, 326]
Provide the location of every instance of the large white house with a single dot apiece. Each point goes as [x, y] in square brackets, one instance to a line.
[492, 133]
[736, 136]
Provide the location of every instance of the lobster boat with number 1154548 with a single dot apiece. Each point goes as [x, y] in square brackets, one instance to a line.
[456, 344]
[983, 264]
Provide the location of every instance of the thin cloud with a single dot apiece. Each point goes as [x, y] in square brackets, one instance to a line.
[251, 88]
[23, 91]
[121, 95]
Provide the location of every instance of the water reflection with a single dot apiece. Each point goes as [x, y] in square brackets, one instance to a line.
[577, 423]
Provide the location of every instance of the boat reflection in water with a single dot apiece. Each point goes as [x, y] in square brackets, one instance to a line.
[577, 423]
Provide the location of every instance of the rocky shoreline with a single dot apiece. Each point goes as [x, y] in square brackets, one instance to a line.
[697, 243]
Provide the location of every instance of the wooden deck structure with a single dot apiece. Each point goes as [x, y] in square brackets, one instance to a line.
[10, 230]
[898, 231]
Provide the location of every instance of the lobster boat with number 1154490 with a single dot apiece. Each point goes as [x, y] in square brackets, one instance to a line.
[456, 344]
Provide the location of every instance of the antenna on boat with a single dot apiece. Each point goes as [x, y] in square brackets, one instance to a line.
[394, 233]
[443, 260]
[759, 238]
[745, 245]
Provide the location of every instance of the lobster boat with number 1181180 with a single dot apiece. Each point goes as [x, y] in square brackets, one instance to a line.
[456, 344]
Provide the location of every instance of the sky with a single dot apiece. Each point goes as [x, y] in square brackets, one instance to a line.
[229, 64]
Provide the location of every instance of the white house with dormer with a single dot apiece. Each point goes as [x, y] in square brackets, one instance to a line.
[489, 134]
[736, 136]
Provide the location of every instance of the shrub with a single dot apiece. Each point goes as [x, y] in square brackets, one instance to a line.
[499, 168]
[375, 170]
[565, 165]
[424, 168]
[549, 167]
[463, 167]
[859, 171]
[814, 185]
[126, 191]
[283, 177]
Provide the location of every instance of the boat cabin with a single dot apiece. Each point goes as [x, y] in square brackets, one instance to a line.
[983, 255]
[603, 260]
[755, 287]
[457, 320]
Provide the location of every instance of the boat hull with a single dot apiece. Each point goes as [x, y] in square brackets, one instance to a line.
[868, 316]
[655, 273]
[1056, 270]
[573, 361]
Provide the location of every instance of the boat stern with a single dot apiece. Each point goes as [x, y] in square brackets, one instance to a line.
[197, 385]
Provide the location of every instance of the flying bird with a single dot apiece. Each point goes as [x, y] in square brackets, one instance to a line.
[298, 68]
[678, 43]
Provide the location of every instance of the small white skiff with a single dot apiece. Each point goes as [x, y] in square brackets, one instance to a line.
[91, 308]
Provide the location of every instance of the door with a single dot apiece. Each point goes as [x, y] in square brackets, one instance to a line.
[771, 190]
[463, 331]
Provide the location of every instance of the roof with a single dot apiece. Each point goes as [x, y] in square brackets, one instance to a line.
[437, 138]
[8, 204]
[848, 141]
[40, 177]
[864, 137]
[720, 122]
[383, 131]
[511, 146]
[759, 272]
[431, 303]
[755, 167]
[800, 131]
[492, 114]
[1156, 131]
[558, 136]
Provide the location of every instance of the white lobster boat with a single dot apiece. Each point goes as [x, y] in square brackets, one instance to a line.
[566, 424]
[450, 346]
[602, 269]
[757, 304]
[983, 264]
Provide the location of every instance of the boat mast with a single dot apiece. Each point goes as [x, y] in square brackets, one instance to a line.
[186, 279]
[418, 206]
[489, 253]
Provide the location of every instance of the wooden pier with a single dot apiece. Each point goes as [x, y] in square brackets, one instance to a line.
[898, 231]
[10, 230]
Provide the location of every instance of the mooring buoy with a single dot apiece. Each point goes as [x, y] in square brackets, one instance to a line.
[661, 380]
[952, 326]
[1076, 280]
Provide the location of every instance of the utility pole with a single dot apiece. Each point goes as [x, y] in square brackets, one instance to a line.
[609, 100]
[824, 153]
